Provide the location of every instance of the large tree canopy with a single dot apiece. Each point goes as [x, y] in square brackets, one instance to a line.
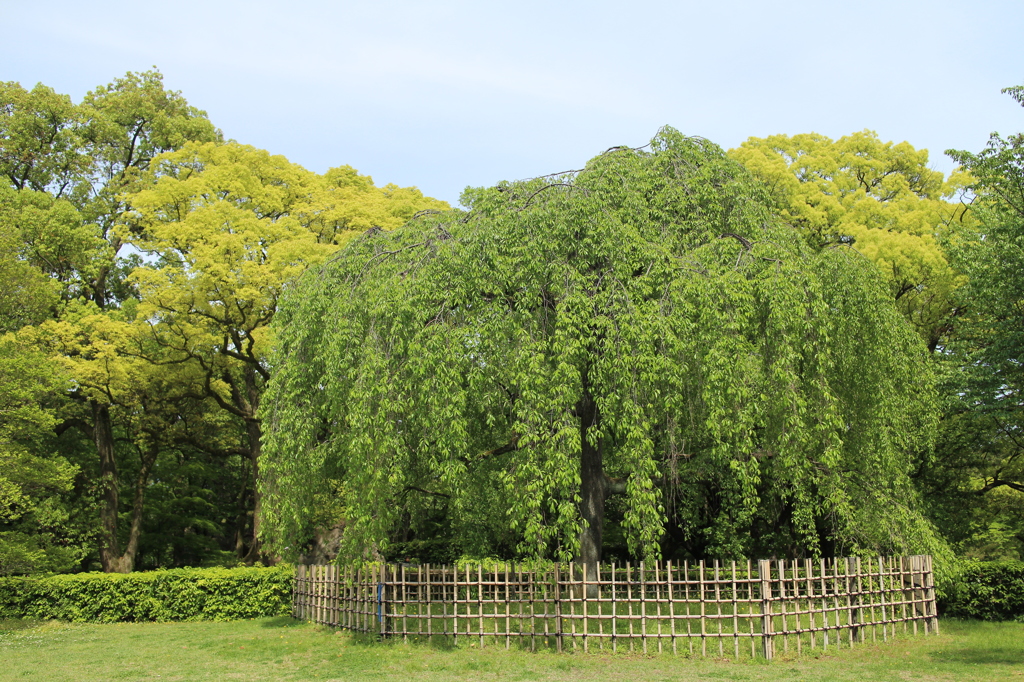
[993, 257]
[880, 196]
[229, 225]
[642, 327]
[146, 256]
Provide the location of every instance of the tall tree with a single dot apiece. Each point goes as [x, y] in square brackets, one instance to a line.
[878, 196]
[230, 226]
[70, 166]
[642, 327]
[983, 437]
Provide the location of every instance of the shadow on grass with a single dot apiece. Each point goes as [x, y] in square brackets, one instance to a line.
[359, 638]
[13, 624]
[537, 644]
[279, 622]
[437, 642]
[988, 656]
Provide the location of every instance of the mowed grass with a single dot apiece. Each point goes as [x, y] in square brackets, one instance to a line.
[284, 649]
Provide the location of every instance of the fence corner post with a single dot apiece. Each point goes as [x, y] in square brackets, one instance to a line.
[930, 593]
[764, 570]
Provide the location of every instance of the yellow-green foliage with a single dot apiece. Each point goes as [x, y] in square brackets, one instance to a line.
[177, 594]
[231, 226]
[880, 196]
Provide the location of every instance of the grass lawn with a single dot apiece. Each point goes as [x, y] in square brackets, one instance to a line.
[284, 649]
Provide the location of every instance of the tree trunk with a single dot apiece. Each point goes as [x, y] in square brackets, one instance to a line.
[135, 531]
[103, 436]
[111, 558]
[255, 434]
[592, 490]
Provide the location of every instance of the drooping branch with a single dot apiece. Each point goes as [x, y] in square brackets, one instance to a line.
[508, 447]
[530, 198]
[747, 244]
[413, 488]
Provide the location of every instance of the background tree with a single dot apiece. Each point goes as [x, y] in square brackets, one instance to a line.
[641, 327]
[879, 196]
[27, 295]
[979, 475]
[68, 167]
[164, 389]
[229, 226]
[32, 480]
[42, 147]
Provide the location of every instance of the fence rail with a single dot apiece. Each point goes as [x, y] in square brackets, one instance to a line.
[722, 608]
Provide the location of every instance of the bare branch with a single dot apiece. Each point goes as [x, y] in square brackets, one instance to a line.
[530, 199]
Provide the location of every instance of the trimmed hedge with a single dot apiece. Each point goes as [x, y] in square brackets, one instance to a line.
[166, 595]
[987, 590]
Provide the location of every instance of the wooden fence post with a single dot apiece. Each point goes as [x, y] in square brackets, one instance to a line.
[296, 582]
[586, 609]
[558, 608]
[853, 616]
[929, 583]
[764, 569]
[381, 594]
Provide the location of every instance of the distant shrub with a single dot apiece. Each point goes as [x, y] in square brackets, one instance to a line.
[166, 595]
[986, 590]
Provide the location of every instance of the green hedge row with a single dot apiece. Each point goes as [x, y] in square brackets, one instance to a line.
[987, 590]
[176, 594]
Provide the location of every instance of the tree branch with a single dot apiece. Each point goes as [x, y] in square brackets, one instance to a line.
[409, 488]
[747, 244]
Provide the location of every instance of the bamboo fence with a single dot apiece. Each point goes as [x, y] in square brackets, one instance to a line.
[698, 608]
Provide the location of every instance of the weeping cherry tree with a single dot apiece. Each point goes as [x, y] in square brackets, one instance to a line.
[641, 327]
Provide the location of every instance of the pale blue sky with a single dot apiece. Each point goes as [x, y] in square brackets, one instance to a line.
[448, 94]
